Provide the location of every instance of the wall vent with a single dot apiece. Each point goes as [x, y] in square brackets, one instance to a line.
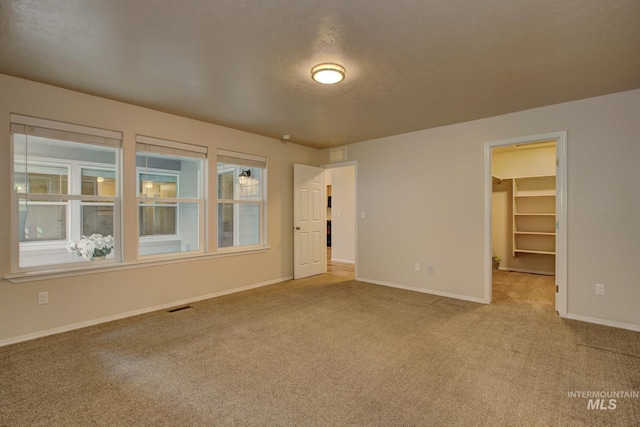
[338, 154]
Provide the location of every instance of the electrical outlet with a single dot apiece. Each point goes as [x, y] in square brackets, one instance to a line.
[43, 297]
[430, 269]
[417, 266]
[600, 289]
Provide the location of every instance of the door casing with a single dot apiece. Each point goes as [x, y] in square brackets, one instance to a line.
[560, 139]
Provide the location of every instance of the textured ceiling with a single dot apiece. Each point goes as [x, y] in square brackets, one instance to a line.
[246, 64]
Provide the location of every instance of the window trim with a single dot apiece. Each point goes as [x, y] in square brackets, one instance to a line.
[74, 133]
[31, 126]
[83, 269]
[164, 147]
[235, 159]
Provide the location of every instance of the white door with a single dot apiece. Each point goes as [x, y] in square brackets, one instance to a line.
[309, 222]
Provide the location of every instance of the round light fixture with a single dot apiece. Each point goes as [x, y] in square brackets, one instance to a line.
[328, 73]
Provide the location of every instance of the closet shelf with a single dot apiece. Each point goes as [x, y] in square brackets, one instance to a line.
[536, 195]
[534, 206]
[535, 233]
[531, 251]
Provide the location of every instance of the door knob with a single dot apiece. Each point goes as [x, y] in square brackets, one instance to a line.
[296, 228]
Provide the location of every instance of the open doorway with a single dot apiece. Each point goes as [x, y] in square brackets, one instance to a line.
[525, 230]
[340, 181]
[523, 224]
[524, 207]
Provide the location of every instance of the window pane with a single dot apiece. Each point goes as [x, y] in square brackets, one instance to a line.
[98, 182]
[225, 225]
[47, 184]
[174, 236]
[239, 183]
[167, 226]
[183, 173]
[225, 185]
[41, 179]
[19, 163]
[156, 220]
[238, 224]
[56, 163]
[154, 185]
[250, 187]
[249, 217]
[40, 222]
[97, 220]
[39, 151]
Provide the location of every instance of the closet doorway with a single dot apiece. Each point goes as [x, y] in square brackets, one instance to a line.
[525, 235]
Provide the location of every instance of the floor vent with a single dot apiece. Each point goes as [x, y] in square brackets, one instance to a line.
[173, 310]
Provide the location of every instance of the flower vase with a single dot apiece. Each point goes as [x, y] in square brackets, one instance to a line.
[98, 258]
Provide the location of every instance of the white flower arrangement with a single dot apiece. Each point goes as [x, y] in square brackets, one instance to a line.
[91, 247]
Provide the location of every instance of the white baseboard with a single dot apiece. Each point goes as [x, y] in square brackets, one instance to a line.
[344, 261]
[598, 321]
[604, 322]
[119, 316]
[423, 290]
[74, 326]
[524, 270]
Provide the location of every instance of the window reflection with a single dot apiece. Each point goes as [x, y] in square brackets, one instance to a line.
[96, 182]
[156, 185]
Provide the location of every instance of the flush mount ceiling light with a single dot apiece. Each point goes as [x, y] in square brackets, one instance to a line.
[328, 73]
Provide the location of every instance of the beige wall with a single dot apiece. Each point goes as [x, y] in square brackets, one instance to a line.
[524, 162]
[501, 224]
[521, 163]
[84, 299]
[422, 194]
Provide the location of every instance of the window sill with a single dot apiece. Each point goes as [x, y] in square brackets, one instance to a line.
[34, 276]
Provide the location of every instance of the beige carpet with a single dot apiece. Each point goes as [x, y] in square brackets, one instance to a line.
[329, 351]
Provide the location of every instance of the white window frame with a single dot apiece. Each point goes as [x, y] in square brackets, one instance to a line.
[53, 243]
[73, 223]
[77, 183]
[178, 149]
[237, 161]
[31, 126]
[160, 237]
